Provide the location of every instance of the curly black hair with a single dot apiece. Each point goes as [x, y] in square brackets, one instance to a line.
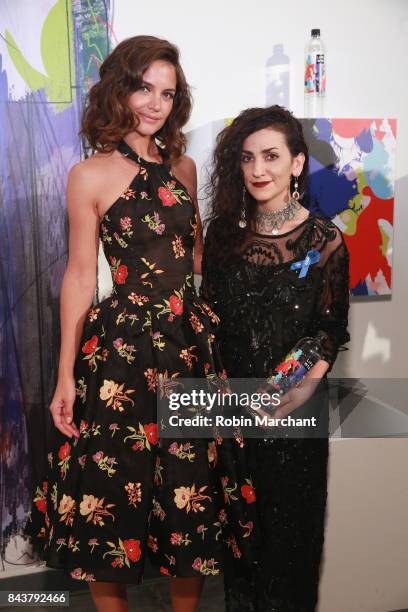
[225, 184]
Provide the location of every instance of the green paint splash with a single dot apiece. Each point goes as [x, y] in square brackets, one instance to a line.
[57, 53]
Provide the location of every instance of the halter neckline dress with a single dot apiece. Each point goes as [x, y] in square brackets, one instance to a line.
[118, 492]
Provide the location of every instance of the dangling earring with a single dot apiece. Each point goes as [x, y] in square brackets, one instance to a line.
[242, 222]
[296, 194]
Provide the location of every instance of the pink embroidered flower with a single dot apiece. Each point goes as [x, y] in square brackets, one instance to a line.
[197, 564]
[97, 456]
[173, 448]
[76, 573]
[176, 538]
[125, 222]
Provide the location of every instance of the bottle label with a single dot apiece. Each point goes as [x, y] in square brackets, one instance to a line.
[315, 74]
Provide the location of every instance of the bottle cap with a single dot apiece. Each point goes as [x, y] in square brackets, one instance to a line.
[316, 32]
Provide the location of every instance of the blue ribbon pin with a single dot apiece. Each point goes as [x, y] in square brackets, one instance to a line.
[311, 258]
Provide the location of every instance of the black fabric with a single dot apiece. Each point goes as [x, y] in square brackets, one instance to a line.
[118, 492]
[265, 308]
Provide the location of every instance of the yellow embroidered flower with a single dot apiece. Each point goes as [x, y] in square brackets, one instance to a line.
[66, 504]
[108, 390]
[182, 497]
[88, 504]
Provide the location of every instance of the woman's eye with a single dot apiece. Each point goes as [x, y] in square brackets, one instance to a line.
[245, 159]
[271, 156]
[143, 88]
[168, 95]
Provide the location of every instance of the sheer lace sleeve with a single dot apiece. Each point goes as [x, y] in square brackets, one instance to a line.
[333, 304]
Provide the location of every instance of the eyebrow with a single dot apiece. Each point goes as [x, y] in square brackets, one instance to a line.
[263, 151]
[151, 85]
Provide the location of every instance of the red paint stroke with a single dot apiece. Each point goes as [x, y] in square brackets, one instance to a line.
[364, 246]
[349, 128]
[393, 125]
[108, 25]
[95, 59]
[379, 134]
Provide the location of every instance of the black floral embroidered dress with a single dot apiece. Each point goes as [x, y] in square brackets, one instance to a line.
[118, 492]
[265, 306]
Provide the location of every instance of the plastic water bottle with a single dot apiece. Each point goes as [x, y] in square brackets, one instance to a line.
[315, 76]
[277, 78]
[292, 370]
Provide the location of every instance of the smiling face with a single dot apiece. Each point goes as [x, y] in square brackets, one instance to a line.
[152, 103]
[267, 166]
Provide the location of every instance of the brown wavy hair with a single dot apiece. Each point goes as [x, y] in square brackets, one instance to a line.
[225, 184]
[107, 118]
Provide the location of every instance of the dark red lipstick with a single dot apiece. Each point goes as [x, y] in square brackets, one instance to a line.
[261, 184]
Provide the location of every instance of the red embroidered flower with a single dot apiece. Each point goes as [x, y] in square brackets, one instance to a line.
[151, 432]
[176, 305]
[166, 196]
[248, 493]
[164, 571]
[132, 549]
[137, 446]
[41, 505]
[90, 346]
[64, 451]
[176, 538]
[121, 274]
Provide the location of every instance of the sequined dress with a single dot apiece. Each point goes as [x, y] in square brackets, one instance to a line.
[265, 307]
[119, 493]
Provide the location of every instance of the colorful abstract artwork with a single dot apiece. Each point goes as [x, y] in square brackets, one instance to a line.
[50, 52]
[352, 181]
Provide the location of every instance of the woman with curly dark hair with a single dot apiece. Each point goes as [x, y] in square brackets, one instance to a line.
[114, 492]
[276, 275]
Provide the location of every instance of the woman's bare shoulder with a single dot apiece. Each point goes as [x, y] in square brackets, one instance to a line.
[93, 167]
[185, 164]
[185, 170]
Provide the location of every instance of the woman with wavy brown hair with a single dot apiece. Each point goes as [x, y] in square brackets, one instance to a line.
[277, 276]
[114, 492]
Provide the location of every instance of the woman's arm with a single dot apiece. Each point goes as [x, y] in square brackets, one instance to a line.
[185, 170]
[331, 320]
[78, 288]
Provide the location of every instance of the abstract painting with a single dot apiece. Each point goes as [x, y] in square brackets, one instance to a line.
[352, 181]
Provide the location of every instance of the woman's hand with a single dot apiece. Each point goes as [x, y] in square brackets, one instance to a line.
[296, 397]
[62, 406]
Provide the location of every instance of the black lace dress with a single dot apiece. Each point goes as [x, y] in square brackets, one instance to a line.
[265, 307]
